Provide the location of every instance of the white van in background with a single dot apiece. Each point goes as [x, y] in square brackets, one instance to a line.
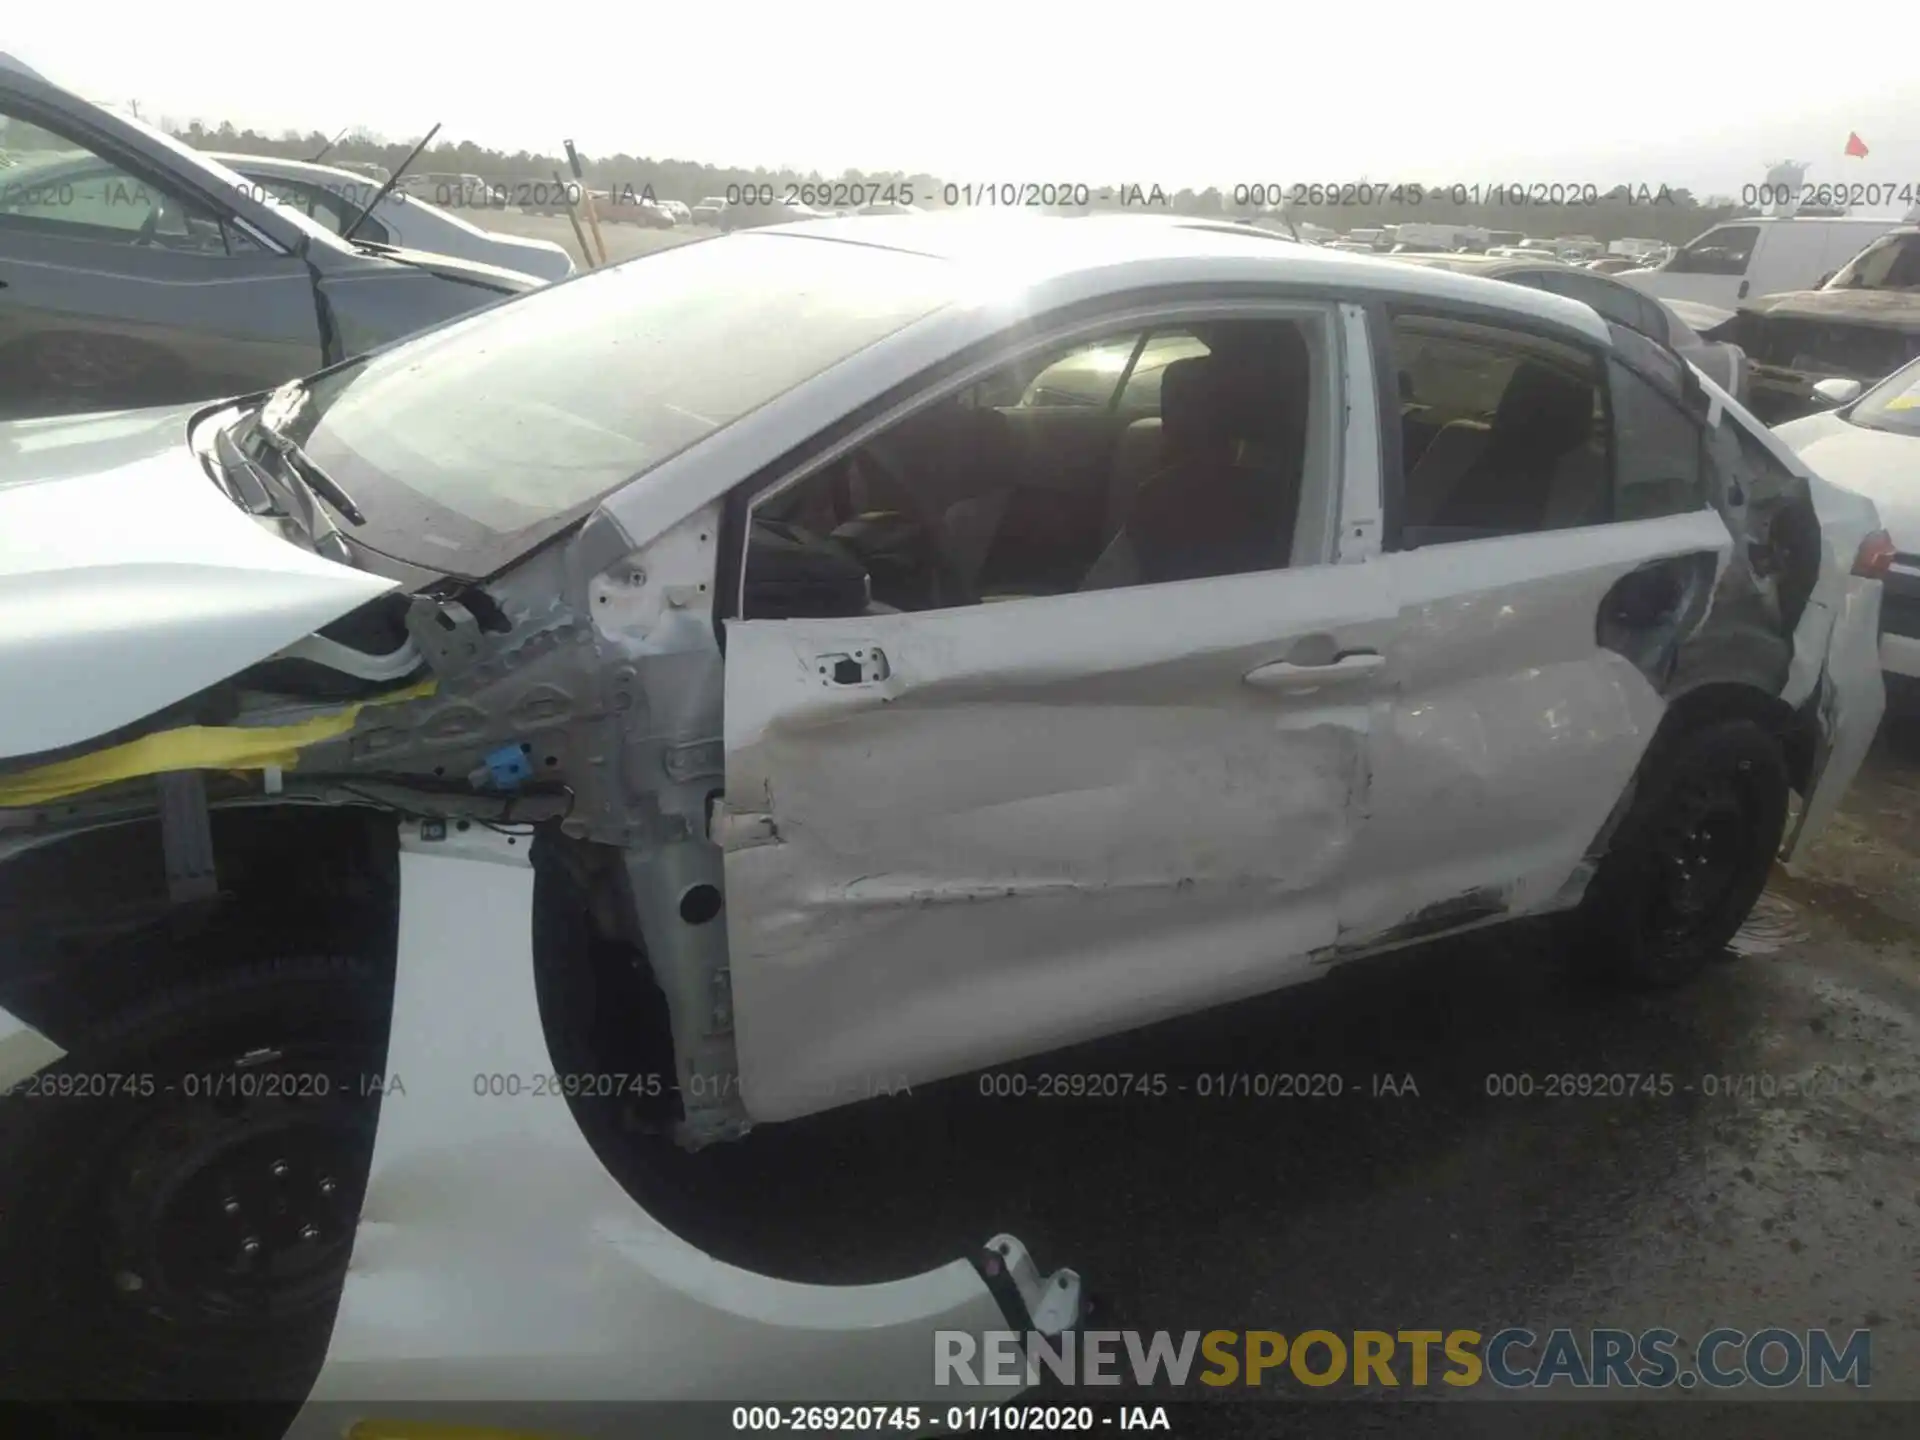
[1762, 255]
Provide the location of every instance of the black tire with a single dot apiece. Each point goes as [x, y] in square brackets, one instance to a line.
[1690, 857]
[125, 1269]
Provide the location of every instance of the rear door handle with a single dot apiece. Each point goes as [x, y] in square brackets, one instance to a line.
[1290, 675]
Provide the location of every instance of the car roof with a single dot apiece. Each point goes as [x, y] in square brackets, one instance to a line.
[1092, 255]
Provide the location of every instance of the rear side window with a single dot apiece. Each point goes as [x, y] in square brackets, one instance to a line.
[1616, 303]
[322, 206]
[1503, 432]
[1656, 448]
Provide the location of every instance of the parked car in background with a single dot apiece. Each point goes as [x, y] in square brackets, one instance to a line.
[448, 190]
[536, 196]
[708, 211]
[379, 174]
[1635, 248]
[1523, 252]
[624, 205]
[1763, 255]
[682, 213]
[1870, 444]
[1722, 362]
[334, 198]
[754, 216]
[1441, 237]
[1613, 264]
[1298, 671]
[1862, 325]
[135, 270]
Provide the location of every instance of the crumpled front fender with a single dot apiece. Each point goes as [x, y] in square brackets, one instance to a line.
[500, 1266]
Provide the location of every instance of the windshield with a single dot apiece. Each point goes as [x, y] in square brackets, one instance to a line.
[1893, 404]
[1890, 263]
[468, 445]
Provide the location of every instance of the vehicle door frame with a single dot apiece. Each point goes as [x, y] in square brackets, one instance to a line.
[1324, 540]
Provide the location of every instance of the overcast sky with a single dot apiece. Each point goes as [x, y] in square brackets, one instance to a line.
[1186, 93]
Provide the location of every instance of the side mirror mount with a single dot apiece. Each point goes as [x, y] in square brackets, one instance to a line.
[1825, 278]
[1838, 390]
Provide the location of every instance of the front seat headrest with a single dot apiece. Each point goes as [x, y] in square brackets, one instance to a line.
[1265, 371]
[1190, 411]
[1542, 409]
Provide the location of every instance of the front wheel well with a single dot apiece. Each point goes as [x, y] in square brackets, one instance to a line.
[600, 1004]
[87, 924]
[1795, 730]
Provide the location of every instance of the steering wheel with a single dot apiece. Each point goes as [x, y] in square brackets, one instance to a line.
[150, 226]
[879, 472]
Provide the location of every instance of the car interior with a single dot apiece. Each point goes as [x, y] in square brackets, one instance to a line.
[1150, 457]
[1502, 433]
[1172, 455]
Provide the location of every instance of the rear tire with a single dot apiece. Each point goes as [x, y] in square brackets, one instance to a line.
[1689, 859]
[179, 1195]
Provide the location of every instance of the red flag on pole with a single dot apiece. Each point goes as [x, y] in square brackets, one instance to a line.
[1856, 147]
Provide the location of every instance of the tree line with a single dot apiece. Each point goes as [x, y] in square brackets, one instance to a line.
[1648, 211]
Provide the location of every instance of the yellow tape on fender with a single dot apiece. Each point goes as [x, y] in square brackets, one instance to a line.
[191, 747]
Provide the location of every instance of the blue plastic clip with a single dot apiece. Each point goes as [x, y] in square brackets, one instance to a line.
[507, 767]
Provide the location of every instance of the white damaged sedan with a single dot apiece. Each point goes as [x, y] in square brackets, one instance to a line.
[785, 667]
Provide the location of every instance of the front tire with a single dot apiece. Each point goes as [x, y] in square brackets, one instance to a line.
[1690, 858]
[179, 1195]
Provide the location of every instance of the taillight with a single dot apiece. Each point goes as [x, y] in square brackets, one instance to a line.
[1875, 556]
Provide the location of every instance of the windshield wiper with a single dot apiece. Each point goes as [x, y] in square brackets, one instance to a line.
[310, 474]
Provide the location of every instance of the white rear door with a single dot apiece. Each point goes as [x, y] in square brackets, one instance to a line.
[1540, 608]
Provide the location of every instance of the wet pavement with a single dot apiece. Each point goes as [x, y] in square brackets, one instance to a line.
[1764, 1171]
